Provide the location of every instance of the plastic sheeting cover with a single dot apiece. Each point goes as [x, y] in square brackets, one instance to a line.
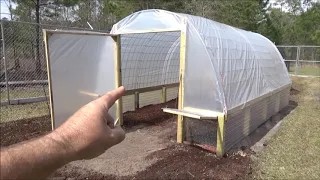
[225, 66]
[79, 64]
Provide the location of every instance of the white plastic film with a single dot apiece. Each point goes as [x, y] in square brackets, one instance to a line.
[225, 66]
[147, 20]
[201, 87]
[81, 66]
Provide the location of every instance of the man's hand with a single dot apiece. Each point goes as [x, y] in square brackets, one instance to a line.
[86, 134]
[90, 131]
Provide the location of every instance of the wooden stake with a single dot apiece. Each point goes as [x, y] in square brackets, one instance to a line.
[46, 41]
[118, 75]
[220, 135]
[136, 100]
[164, 95]
[180, 123]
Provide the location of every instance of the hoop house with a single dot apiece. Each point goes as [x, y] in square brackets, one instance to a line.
[223, 71]
[230, 80]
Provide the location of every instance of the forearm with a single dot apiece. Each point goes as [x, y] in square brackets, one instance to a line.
[34, 159]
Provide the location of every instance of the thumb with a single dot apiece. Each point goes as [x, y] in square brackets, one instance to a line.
[117, 135]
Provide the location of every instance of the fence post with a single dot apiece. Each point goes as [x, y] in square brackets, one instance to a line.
[297, 60]
[5, 62]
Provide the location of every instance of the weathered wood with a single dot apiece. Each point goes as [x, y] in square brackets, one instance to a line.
[192, 114]
[148, 89]
[136, 100]
[118, 76]
[46, 41]
[220, 135]
[77, 32]
[164, 95]
[180, 123]
[151, 31]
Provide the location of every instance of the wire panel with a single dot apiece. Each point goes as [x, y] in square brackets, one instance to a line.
[200, 131]
[150, 59]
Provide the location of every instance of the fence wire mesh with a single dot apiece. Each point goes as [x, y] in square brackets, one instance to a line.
[302, 60]
[23, 71]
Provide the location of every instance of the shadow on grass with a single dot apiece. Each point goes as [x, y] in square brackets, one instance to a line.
[258, 138]
[294, 92]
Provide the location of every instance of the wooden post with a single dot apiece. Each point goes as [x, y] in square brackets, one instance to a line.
[46, 39]
[220, 135]
[297, 60]
[118, 76]
[180, 123]
[136, 100]
[164, 95]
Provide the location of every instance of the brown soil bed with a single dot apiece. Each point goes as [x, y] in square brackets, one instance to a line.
[174, 162]
[177, 162]
[151, 114]
[17, 131]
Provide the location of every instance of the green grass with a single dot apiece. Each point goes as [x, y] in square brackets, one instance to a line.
[26, 111]
[294, 152]
[23, 93]
[306, 70]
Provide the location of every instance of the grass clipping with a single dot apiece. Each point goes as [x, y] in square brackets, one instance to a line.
[294, 152]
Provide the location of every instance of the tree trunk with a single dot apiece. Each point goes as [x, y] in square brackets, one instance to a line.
[38, 59]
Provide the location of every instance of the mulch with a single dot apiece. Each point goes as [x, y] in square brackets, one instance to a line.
[148, 115]
[179, 161]
[17, 131]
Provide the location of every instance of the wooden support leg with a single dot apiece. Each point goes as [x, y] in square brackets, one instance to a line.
[136, 100]
[164, 95]
[180, 129]
[220, 135]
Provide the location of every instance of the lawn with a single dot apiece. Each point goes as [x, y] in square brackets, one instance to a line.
[294, 152]
[306, 70]
[22, 92]
[25, 111]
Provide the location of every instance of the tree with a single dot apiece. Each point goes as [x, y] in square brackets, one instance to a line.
[308, 25]
[30, 10]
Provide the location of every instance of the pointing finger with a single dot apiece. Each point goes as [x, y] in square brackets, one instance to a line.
[110, 98]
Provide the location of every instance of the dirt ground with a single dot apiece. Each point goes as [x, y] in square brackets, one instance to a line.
[148, 152]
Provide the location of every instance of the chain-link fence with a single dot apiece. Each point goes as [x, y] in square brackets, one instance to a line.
[23, 73]
[301, 60]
